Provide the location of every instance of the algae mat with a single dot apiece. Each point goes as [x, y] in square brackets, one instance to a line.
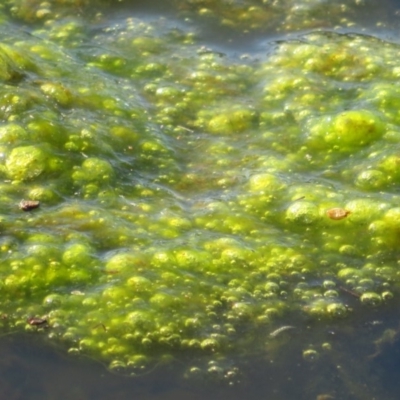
[179, 202]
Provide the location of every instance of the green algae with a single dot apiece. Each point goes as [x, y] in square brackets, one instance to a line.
[286, 15]
[184, 194]
[248, 15]
[26, 162]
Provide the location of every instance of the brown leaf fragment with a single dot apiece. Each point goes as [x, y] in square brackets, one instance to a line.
[27, 205]
[337, 213]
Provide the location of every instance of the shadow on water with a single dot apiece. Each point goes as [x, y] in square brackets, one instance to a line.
[30, 369]
[342, 360]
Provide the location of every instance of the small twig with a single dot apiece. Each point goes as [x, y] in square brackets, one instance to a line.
[349, 292]
[100, 325]
[186, 129]
[278, 331]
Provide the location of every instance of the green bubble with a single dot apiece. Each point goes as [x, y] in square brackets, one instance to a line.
[363, 211]
[127, 135]
[117, 366]
[78, 254]
[210, 345]
[371, 179]
[12, 134]
[331, 294]
[148, 44]
[139, 284]
[141, 320]
[326, 346]
[265, 182]
[89, 302]
[232, 122]
[88, 345]
[371, 299]
[122, 262]
[392, 217]
[138, 362]
[243, 310]
[303, 213]
[346, 130]
[310, 355]
[387, 295]
[337, 310]
[355, 128]
[53, 300]
[163, 300]
[271, 286]
[43, 194]
[46, 252]
[190, 258]
[94, 170]
[58, 93]
[328, 284]
[349, 272]
[72, 350]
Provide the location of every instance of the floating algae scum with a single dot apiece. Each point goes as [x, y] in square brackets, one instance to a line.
[193, 204]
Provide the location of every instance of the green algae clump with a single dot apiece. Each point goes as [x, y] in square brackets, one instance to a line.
[94, 169]
[303, 213]
[232, 122]
[58, 93]
[122, 262]
[347, 130]
[12, 133]
[26, 163]
[265, 182]
[9, 70]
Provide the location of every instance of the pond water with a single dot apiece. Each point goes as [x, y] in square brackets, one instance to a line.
[363, 365]
[199, 199]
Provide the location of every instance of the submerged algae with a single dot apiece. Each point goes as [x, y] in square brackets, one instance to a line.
[249, 14]
[284, 15]
[183, 209]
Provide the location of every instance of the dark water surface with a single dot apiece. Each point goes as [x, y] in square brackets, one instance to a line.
[364, 365]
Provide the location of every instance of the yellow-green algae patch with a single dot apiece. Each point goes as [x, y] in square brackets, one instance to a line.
[281, 15]
[184, 195]
[285, 15]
